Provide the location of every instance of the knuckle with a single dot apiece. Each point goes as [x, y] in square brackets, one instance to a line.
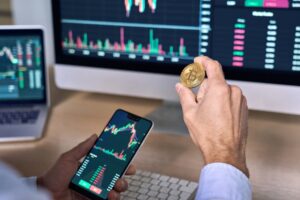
[218, 63]
[212, 64]
[222, 90]
[236, 90]
[63, 156]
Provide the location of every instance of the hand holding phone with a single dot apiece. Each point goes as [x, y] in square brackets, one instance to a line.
[111, 155]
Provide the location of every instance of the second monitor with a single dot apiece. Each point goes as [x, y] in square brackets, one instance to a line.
[139, 47]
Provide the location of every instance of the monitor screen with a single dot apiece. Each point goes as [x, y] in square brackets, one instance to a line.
[21, 66]
[255, 40]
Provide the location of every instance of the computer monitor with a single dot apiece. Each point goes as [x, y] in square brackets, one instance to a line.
[139, 47]
[22, 65]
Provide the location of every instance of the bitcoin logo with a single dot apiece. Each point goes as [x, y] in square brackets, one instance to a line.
[192, 75]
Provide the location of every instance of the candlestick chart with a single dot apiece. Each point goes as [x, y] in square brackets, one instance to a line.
[141, 4]
[143, 30]
[152, 47]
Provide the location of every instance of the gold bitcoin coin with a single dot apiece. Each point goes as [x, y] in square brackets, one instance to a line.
[192, 75]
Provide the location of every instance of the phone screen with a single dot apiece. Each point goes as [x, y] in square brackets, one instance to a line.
[111, 154]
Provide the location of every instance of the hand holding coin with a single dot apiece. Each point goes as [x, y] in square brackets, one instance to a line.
[192, 75]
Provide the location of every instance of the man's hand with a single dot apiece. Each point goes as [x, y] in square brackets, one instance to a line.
[57, 179]
[217, 118]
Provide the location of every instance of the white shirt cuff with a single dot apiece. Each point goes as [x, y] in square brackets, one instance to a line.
[223, 182]
[30, 181]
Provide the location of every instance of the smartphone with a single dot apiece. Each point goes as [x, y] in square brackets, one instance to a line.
[111, 155]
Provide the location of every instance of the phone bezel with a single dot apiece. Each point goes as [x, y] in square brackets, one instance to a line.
[91, 195]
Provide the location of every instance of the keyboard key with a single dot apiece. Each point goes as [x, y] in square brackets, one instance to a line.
[162, 196]
[145, 185]
[173, 180]
[163, 178]
[143, 191]
[154, 188]
[173, 198]
[154, 182]
[128, 181]
[136, 177]
[155, 176]
[164, 183]
[132, 194]
[165, 190]
[145, 173]
[133, 188]
[185, 195]
[175, 192]
[139, 172]
[146, 179]
[174, 186]
[126, 192]
[136, 183]
[186, 189]
[152, 193]
[142, 197]
[193, 185]
[183, 182]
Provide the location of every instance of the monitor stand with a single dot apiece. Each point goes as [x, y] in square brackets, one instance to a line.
[167, 118]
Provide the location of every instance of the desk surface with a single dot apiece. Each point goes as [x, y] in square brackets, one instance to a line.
[273, 145]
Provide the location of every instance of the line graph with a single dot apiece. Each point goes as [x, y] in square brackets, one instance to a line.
[126, 136]
[129, 127]
[141, 4]
[7, 52]
[8, 64]
[112, 152]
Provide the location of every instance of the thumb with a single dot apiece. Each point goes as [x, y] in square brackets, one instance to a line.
[81, 149]
[186, 96]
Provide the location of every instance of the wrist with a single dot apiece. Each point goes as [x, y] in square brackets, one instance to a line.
[231, 160]
[40, 181]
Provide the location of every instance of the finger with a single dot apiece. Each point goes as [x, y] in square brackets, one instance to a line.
[121, 185]
[81, 149]
[186, 97]
[236, 102]
[131, 170]
[244, 117]
[244, 125]
[113, 195]
[201, 92]
[213, 69]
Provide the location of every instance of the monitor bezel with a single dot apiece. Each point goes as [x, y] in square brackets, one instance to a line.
[28, 31]
[232, 73]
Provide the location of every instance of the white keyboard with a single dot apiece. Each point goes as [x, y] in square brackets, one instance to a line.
[152, 186]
